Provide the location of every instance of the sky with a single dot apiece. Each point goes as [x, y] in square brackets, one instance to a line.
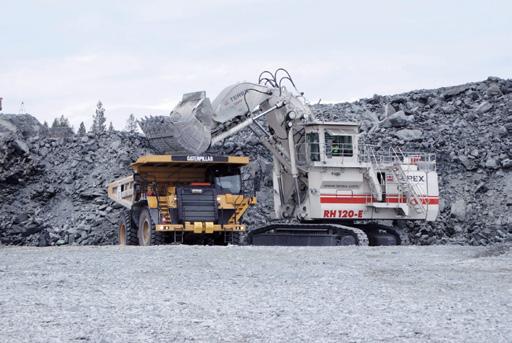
[62, 57]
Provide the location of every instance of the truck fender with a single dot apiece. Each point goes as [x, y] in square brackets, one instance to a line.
[141, 205]
[155, 215]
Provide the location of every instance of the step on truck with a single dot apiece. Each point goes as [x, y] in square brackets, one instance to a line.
[182, 199]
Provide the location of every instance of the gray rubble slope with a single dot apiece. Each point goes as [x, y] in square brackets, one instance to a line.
[56, 193]
[53, 190]
[469, 127]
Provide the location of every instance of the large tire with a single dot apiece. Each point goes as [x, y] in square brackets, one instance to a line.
[127, 231]
[147, 233]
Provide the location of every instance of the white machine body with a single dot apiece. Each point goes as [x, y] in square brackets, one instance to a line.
[349, 181]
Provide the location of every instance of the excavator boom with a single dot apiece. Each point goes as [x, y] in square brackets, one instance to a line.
[188, 128]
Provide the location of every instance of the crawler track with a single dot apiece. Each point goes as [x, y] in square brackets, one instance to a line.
[299, 234]
[327, 234]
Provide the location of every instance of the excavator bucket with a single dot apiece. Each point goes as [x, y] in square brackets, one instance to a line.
[186, 130]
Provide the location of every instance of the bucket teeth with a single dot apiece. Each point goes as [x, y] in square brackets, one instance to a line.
[158, 131]
[186, 129]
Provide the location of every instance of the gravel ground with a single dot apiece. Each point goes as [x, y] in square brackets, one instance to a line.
[245, 294]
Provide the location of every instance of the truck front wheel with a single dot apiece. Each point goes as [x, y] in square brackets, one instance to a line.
[147, 231]
[127, 231]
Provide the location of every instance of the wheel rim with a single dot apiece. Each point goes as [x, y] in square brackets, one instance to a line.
[146, 232]
[122, 234]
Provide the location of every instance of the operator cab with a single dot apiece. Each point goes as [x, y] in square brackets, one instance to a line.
[226, 179]
[330, 143]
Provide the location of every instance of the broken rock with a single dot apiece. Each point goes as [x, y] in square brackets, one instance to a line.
[468, 163]
[484, 107]
[398, 119]
[458, 209]
[494, 90]
[452, 91]
[409, 135]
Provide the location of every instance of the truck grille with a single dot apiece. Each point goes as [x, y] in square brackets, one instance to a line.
[197, 204]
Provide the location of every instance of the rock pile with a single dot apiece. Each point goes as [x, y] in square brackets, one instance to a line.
[53, 190]
[469, 127]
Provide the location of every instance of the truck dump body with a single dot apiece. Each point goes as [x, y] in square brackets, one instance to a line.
[185, 196]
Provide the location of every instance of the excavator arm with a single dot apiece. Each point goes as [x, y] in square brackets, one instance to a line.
[267, 108]
[196, 122]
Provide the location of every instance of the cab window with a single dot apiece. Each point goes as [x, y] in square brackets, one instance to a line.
[227, 179]
[313, 143]
[338, 145]
[229, 183]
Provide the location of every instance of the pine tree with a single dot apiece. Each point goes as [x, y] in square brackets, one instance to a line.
[61, 127]
[60, 122]
[111, 127]
[64, 122]
[98, 124]
[55, 123]
[131, 124]
[45, 129]
[81, 129]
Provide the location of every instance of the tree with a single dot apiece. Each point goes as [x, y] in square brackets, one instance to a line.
[45, 129]
[61, 127]
[60, 122]
[131, 124]
[81, 129]
[64, 122]
[98, 123]
[111, 127]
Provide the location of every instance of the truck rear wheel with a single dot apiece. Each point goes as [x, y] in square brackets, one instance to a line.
[127, 231]
[147, 231]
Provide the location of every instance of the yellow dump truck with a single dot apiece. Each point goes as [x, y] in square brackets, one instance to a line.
[182, 199]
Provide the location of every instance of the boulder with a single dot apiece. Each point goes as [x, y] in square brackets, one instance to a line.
[491, 163]
[484, 107]
[398, 119]
[388, 110]
[458, 209]
[456, 90]
[468, 163]
[506, 163]
[494, 90]
[502, 131]
[409, 135]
